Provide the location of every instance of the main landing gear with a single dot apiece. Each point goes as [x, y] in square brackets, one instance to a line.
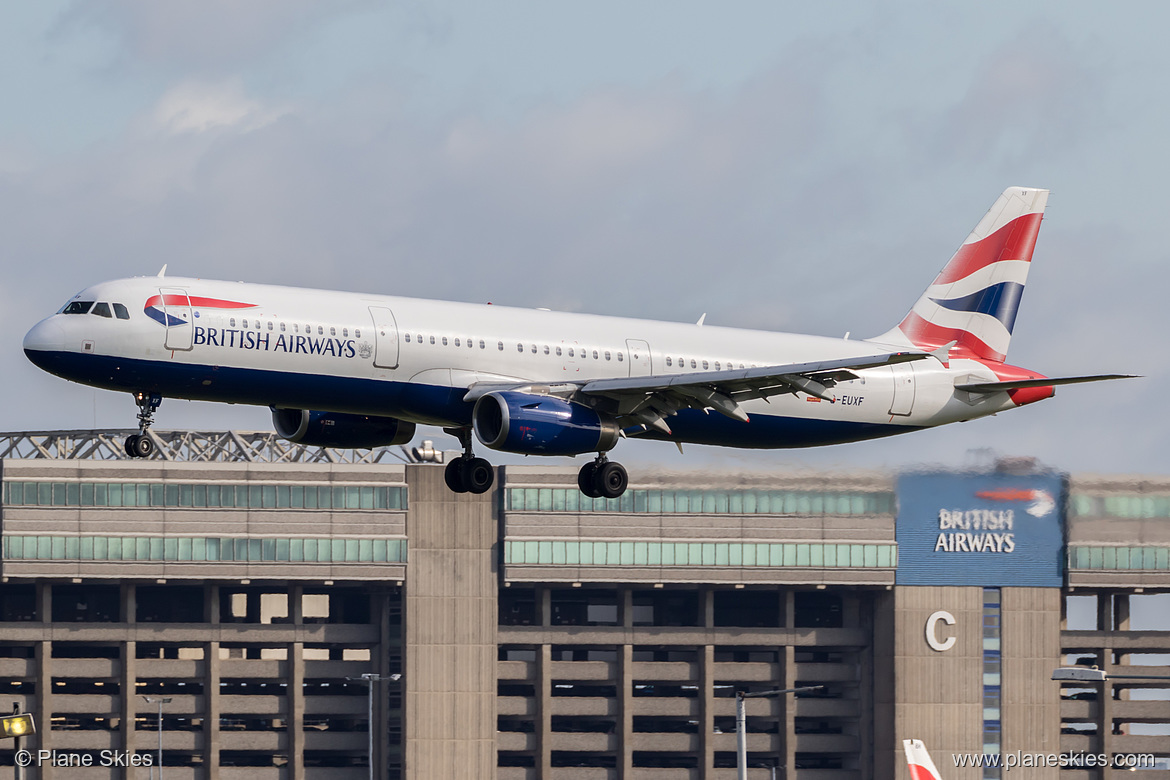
[603, 478]
[467, 473]
[139, 445]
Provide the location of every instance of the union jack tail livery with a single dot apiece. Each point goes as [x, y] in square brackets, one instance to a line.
[921, 767]
[973, 301]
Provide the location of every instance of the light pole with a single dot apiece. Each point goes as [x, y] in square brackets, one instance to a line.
[160, 700]
[741, 719]
[369, 679]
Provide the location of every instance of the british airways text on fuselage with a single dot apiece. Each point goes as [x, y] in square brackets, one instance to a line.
[284, 342]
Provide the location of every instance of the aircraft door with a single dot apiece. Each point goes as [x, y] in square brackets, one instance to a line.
[903, 401]
[385, 338]
[176, 306]
[639, 352]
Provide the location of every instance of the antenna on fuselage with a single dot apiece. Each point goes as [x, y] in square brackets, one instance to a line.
[162, 271]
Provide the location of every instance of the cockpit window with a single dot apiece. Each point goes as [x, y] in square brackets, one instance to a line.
[101, 309]
[77, 307]
[120, 312]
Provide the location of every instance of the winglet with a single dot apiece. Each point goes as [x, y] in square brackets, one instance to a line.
[162, 271]
[700, 322]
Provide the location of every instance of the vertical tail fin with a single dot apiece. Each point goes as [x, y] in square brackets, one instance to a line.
[921, 767]
[973, 301]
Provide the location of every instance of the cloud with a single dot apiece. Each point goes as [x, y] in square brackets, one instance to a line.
[196, 107]
[216, 35]
[1035, 96]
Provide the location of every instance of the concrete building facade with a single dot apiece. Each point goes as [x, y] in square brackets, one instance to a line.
[542, 634]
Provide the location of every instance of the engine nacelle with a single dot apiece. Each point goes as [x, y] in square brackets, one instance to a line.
[541, 425]
[333, 429]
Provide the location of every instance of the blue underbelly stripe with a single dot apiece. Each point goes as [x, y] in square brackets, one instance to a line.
[427, 404]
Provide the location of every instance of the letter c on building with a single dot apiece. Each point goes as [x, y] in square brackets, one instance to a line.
[931, 631]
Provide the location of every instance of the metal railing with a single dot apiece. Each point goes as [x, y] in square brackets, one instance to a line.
[188, 446]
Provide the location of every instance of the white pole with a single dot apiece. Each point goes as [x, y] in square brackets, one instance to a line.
[740, 737]
[370, 715]
[160, 704]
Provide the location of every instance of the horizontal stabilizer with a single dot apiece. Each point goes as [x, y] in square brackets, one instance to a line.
[1019, 384]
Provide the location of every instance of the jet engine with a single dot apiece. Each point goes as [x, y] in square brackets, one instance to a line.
[333, 429]
[532, 424]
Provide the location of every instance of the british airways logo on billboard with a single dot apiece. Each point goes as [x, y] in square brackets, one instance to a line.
[949, 525]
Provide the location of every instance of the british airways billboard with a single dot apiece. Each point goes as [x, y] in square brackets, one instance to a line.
[986, 530]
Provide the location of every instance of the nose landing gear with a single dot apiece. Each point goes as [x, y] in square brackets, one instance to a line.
[603, 478]
[139, 445]
[467, 473]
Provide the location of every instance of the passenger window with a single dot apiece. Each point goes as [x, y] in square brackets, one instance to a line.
[432, 339]
[519, 347]
[407, 338]
[120, 312]
[418, 336]
[78, 307]
[320, 330]
[558, 351]
[282, 327]
[357, 334]
[607, 355]
[570, 352]
[482, 345]
[232, 322]
[270, 324]
[668, 361]
[470, 344]
[500, 345]
[444, 341]
[693, 363]
[704, 365]
[595, 354]
[620, 358]
[332, 331]
[345, 333]
[245, 323]
[533, 349]
[101, 309]
[457, 342]
[716, 365]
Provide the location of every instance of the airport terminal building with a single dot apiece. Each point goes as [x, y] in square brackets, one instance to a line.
[241, 587]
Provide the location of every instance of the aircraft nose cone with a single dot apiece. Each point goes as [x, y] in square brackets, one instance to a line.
[46, 337]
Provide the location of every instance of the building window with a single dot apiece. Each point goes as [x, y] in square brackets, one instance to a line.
[822, 555]
[747, 502]
[208, 495]
[202, 548]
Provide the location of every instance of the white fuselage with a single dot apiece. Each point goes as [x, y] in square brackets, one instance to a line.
[415, 359]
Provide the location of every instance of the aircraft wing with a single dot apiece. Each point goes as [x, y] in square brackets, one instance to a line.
[647, 400]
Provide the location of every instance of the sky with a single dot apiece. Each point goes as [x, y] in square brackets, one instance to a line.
[795, 167]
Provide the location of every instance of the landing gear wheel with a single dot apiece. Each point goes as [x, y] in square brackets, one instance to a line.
[586, 479]
[478, 475]
[453, 476]
[610, 479]
[139, 446]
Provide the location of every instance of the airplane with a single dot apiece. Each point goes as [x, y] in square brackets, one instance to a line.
[357, 370]
[919, 761]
